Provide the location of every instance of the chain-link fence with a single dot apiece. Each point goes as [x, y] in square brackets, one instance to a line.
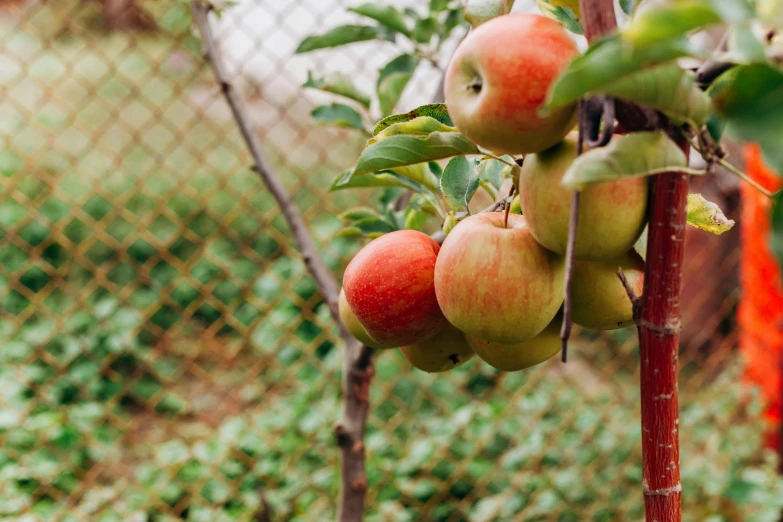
[164, 354]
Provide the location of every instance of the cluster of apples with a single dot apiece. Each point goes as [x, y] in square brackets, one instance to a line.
[495, 287]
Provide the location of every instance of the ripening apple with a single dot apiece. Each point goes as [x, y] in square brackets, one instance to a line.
[390, 286]
[599, 299]
[447, 350]
[498, 78]
[517, 356]
[495, 282]
[353, 325]
[612, 214]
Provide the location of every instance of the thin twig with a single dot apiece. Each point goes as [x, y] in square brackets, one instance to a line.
[573, 224]
[631, 293]
[357, 370]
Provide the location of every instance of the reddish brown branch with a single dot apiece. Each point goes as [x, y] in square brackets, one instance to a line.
[357, 368]
[657, 312]
[659, 339]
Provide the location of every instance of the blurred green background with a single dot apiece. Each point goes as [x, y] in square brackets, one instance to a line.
[165, 355]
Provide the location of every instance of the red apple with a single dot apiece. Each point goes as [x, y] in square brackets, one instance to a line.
[353, 325]
[517, 356]
[498, 78]
[390, 286]
[447, 350]
[612, 214]
[495, 282]
[600, 300]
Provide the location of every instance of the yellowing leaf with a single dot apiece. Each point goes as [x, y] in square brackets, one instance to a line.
[706, 215]
[420, 126]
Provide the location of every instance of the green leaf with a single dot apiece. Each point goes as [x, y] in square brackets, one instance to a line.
[454, 18]
[415, 219]
[776, 233]
[337, 115]
[667, 88]
[744, 47]
[633, 155]
[378, 179]
[422, 125]
[403, 150]
[715, 126]
[627, 6]
[493, 171]
[358, 213]
[479, 11]
[392, 80]
[458, 184]
[342, 35]
[567, 19]
[751, 104]
[418, 173]
[371, 227]
[564, 11]
[438, 5]
[386, 15]
[674, 19]
[425, 29]
[434, 110]
[607, 61]
[707, 216]
[339, 84]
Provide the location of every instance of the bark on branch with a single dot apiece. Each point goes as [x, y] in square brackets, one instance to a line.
[657, 311]
[357, 368]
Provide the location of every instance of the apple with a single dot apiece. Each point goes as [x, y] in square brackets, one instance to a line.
[517, 356]
[353, 325]
[498, 78]
[612, 215]
[599, 299]
[447, 350]
[390, 287]
[495, 282]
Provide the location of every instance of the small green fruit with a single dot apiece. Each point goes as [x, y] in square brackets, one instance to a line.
[517, 356]
[445, 351]
[599, 299]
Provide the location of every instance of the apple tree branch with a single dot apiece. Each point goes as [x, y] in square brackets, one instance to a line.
[357, 368]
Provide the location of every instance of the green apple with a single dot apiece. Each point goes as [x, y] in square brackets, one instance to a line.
[496, 282]
[599, 299]
[497, 82]
[517, 356]
[612, 215]
[445, 351]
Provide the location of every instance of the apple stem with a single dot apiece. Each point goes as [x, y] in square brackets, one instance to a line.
[508, 205]
[357, 366]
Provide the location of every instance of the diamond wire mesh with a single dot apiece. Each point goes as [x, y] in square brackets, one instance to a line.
[165, 355]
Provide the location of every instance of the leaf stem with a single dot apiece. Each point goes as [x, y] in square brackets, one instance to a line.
[750, 181]
[498, 158]
[734, 170]
[489, 188]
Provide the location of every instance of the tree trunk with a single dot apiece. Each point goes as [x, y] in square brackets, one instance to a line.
[125, 15]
